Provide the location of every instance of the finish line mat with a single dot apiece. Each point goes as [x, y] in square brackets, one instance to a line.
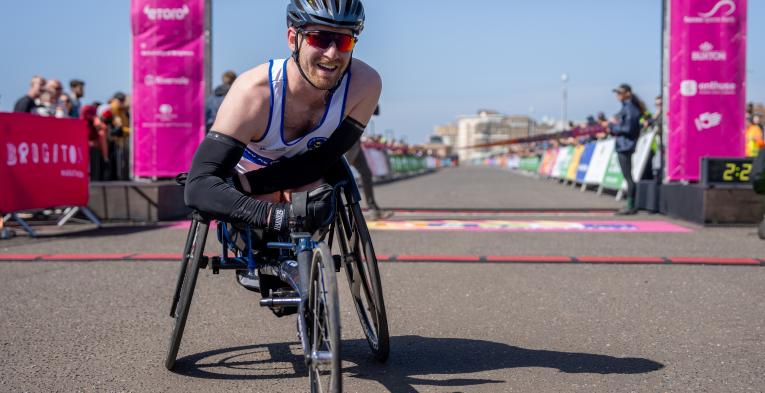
[494, 259]
[528, 226]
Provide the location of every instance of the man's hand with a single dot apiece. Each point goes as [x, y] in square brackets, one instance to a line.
[282, 218]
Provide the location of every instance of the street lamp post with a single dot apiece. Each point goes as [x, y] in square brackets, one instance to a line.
[531, 121]
[564, 103]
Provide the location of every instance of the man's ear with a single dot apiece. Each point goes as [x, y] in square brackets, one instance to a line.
[292, 38]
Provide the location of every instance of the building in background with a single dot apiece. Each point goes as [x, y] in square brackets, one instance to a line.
[486, 126]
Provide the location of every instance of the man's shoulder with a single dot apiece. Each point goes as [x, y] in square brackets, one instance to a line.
[23, 104]
[363, 72]
[253, 82]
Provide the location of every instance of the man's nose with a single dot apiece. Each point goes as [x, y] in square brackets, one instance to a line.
[332, 52]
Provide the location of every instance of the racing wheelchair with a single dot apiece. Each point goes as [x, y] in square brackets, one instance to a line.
[298, 276]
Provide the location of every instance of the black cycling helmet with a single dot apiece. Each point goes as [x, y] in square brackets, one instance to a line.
[344, 14]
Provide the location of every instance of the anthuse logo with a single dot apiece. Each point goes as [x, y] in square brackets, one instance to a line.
[166, 13]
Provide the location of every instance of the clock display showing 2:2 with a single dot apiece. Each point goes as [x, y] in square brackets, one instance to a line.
[721, 171]
[737, 172]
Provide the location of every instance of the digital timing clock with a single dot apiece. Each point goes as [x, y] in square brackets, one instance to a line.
[726, 171]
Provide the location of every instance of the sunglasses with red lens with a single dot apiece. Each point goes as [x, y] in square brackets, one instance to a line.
[323, 39]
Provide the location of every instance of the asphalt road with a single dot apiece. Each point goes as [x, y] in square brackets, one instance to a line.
[480, 327]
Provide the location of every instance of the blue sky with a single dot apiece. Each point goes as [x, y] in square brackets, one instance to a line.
[438, 59]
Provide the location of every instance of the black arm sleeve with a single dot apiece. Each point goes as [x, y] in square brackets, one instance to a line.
[308, 167]
[207, 191]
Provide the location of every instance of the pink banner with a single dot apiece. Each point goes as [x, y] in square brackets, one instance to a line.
[43, 162]
[707, 83]
[168, 85]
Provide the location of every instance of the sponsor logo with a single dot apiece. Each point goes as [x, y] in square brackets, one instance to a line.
[722, 12]
[314, 143]
[42, 153]
[152, 80]
[690, 88]
[708, 120]
[166, 13]
[165, 113]
[706, 52]
[166, 53]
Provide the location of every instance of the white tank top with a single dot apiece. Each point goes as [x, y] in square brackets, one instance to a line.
[272, 146]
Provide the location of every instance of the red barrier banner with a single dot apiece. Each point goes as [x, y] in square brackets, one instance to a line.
[43, 162]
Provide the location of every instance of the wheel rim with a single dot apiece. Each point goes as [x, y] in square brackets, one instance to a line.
[323, 353]
[369, 309]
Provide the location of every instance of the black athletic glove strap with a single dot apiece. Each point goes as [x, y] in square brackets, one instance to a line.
[308, 167]
[279, 217]
[208, 191]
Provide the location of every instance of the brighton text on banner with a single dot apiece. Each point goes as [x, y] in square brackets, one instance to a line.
[43, 162]
[168, 85]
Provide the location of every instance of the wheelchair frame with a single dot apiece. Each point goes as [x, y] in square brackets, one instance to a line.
[296, 267]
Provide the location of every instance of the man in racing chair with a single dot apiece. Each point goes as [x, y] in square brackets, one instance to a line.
[285, 124]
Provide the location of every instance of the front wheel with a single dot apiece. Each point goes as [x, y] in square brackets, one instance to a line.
[324, 329]
[193, 253]
[364, 278]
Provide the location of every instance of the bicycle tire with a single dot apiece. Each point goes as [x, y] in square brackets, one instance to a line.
[187, 292]
[355, 241]
[324, 335]
[184, 263]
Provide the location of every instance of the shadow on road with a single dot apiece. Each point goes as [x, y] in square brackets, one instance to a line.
[414, 361]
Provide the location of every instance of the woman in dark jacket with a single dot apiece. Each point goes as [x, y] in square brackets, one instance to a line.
[626, 128]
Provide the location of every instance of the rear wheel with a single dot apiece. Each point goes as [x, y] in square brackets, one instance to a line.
[324, 328]
[360, 263]
[190, 271]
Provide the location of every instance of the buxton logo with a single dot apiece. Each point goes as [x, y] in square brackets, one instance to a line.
[166, 13]
[722, 12]
[706, 52]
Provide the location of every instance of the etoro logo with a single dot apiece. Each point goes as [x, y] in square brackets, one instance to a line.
[166, 13]
[706, 52]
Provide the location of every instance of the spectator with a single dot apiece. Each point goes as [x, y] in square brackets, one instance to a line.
[97, 142]
[27, 103]
[357, 158]
[753, 136]
[65, 106]
[214, 102]
[77, 91]
[55, 89]
[116, 117]
[626, 127]
[45, 104]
